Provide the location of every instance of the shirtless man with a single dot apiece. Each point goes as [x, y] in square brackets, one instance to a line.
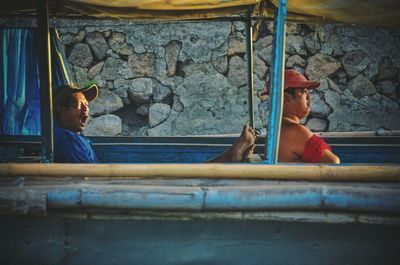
[297, 142]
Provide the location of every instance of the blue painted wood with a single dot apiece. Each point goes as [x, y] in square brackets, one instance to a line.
[375, 199]
[156, 153]
[277, 83]
[373, 149]
[8, 154]
[124, 196]
[31, 241]
[34, 141]
[368, 154]
[72, 241]
[202, 153]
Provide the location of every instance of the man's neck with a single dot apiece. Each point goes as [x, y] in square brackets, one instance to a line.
[291, 118]
[60, 125]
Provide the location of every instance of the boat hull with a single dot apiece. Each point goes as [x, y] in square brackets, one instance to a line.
[30, 240]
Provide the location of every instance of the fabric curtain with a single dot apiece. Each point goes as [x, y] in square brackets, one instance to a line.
[19, 79]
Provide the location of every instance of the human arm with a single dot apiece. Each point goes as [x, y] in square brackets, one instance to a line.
[307, 146]
[329, 157]
[317, 150]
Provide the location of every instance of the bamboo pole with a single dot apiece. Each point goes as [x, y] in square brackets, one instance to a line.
[250, 65]
[368, 173]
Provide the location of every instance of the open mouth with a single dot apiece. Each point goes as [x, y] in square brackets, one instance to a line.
[84, 119]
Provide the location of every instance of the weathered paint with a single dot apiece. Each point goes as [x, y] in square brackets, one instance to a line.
[64, 198]
[143, 197]
[277, 82]
[131, 195]
[362, 199]
[201, 153]
[371, 149]
[23, 201]
[256, 197]
[32, 241]
[71, 241]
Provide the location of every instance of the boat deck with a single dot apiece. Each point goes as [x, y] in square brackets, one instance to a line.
[350, 147]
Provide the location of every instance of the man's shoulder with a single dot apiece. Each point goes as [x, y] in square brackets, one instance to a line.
[63, 134]
[62, 131]
[297, 130]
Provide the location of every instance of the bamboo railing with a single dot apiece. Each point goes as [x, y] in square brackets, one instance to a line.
[315, 172]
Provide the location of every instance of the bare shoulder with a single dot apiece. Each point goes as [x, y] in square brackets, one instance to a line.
[294, 137]
[298, 131]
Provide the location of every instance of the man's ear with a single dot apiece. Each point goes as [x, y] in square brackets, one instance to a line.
[287, 97]
[60, 110]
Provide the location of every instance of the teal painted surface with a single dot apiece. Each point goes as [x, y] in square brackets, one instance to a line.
[71, 241]
[199, 195]
[31, 241]
[199, 149]
[277, 83]
[200, 154]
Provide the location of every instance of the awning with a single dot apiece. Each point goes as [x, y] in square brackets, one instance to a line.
[379, 13]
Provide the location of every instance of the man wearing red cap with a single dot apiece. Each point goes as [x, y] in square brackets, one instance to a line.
[297, 142]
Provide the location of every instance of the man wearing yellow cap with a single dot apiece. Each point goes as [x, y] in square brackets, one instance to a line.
[71, 107]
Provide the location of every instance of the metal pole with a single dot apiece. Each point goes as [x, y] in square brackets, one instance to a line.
[277, 81]
[46, 102]
[250, 67]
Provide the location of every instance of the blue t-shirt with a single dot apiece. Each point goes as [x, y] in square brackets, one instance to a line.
[71, 147]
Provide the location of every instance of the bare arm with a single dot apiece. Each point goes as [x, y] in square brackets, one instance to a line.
[302, 136]
[329, 157]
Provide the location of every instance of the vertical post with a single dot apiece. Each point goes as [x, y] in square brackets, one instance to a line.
[46, 102]
[277, 81]
[250, 67]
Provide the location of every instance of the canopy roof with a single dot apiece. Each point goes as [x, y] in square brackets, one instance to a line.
[371, 12]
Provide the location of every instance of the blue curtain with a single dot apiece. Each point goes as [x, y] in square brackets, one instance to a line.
[19, 79]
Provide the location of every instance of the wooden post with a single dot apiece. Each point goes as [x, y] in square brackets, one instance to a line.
[46, 102]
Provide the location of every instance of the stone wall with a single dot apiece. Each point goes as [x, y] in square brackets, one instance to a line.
[190, 78]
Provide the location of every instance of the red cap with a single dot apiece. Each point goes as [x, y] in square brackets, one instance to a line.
[294, 79]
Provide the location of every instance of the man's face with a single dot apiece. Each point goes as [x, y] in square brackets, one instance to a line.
[75, 116]
[301, 104]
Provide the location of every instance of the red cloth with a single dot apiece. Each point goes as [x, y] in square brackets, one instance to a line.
[314, 150]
